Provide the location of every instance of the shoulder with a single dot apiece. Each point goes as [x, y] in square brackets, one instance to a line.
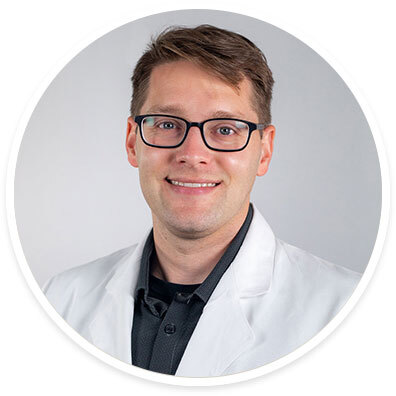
[84, 279]
[317, 278]
[308, 263]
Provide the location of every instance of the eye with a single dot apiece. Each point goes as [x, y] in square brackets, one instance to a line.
[167, 125]
[225, 131]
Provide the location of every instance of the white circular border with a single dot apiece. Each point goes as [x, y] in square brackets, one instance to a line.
[190, 381]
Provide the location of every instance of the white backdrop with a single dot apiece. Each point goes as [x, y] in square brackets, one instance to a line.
[354, 358]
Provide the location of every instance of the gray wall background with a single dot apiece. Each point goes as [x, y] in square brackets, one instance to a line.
[77, 198]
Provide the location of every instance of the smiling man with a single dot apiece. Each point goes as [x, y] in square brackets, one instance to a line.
[209, 290]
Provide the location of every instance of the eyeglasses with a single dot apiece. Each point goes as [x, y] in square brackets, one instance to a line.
[219, 134]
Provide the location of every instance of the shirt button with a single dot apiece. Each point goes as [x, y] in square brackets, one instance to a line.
[183, 298]
[170, 328]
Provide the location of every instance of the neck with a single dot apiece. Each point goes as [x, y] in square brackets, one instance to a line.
[190, 261]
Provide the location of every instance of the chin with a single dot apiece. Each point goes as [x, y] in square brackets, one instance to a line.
[192, 225]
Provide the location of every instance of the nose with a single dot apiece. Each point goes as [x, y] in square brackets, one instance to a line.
[193, 150]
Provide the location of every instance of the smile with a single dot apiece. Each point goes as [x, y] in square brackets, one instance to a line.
[192, 184]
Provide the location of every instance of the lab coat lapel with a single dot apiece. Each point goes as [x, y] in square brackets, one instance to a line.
[223, 332]
[111, 327]
[221, 335]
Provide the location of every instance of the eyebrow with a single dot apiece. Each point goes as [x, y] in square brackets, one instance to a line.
[179, 111]
[226, 114]
[166, 109]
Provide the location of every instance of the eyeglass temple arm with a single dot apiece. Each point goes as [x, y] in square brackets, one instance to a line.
[260, 127]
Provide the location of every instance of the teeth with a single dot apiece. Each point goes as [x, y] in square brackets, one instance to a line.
[178, 183]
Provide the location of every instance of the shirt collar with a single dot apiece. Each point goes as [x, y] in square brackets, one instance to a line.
[206, 289]
[142, 285]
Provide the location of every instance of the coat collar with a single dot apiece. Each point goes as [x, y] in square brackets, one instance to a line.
[250, 273]
[253, 266]
[223, 327]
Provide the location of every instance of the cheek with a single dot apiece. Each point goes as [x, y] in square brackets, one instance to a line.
[243, 167]
[152, 161]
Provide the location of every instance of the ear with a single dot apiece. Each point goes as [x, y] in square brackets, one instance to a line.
[131, 140]
[267, 144]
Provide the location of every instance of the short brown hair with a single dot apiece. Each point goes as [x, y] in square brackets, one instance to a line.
[225, 54]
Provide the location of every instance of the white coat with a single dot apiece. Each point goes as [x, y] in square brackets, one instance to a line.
[273, 298]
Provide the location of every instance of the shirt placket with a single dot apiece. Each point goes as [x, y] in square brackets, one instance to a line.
[169, 334]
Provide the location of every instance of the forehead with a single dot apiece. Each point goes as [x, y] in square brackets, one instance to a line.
[186, 87]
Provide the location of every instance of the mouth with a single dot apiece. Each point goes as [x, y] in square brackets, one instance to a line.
[192, 183]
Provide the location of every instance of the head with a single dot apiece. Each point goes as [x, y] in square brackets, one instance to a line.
[197, 74]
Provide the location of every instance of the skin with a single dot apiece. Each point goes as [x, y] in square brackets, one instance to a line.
[193, 227]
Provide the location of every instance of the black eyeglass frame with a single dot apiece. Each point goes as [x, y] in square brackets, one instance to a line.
[252, 127]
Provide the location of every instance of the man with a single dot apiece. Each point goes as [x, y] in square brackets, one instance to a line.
[209, 290]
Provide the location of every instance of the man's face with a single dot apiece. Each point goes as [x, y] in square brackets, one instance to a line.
[185, 90]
